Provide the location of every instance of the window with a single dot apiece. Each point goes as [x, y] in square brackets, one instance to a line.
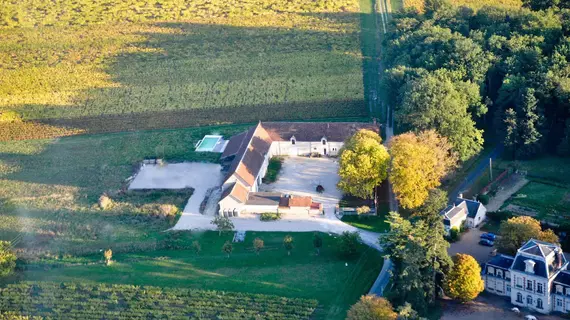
[324, 142]
[499, 273]
[490, 270]
[519, 297]
[519, 282]
[559, 302]
[539, 303]
[558, 289]
[508, 288]
[529, 285]
[539, 288]
[507, 275]
[334, 149]
[293, 141]
[568, 291]
[529, 300]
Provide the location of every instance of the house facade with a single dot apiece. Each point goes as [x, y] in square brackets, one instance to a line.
[536, 278]
[248, 155]
[470, 212]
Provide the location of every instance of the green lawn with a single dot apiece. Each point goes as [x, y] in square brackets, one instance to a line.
[370, 223]
[546, 199]
[550, 168]
[302, 274]
[49, 188]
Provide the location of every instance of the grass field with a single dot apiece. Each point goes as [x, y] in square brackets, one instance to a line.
[370, 223]
[303, 274]
[195, 63]
[550, 201]
[49, 188]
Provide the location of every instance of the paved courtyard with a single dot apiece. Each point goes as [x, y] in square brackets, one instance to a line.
[469, 244]
[199, 176]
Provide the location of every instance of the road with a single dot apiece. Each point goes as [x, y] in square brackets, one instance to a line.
[480, 169]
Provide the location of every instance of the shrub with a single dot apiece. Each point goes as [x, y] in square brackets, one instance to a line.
[108, 256]
[288, 244]
[371, 307]
[317, 242]
[498, 216]
[349, 243]
[105, 202]
[273, 169]
[228, 248]
[222, 224]
[167, 210]
[270, 216]
[483, 198]
[258, 244]
[454, 234]
[362, 210]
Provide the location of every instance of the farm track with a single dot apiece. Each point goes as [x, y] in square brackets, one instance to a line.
[51, 128]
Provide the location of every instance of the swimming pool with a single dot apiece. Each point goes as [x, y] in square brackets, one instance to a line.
[208, 143]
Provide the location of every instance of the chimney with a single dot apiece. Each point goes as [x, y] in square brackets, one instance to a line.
[558, 258]
[461, 195]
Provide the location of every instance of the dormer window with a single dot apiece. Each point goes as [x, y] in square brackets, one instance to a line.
[324, 141]
[529, 266]
[293, 140]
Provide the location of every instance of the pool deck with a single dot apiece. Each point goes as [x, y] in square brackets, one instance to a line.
[219, 147]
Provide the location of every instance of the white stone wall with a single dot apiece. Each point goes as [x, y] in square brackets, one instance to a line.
[260, 209]
[522, 278]
[230, 204]
[303, 148]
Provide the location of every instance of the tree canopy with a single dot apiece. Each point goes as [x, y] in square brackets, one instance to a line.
[363, 164]
[7, 259]
[419, 161]
[518, 230]
[464, 282]
[371, 308]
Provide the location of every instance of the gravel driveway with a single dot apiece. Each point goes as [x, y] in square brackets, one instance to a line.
[199, 176]
[469, 244]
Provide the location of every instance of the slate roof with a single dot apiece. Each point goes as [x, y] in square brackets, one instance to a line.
[315, 131]
[472, 206]
[264, 198]
[234, 145]
[546, 265]
[501, 261]
[563, 278]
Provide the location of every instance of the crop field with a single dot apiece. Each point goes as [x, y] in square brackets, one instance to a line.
[79, 66]
[49, 189]
[335, 281]
[551, 202]
[85, 301]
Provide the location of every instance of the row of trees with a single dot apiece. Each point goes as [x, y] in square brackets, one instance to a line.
[506, 70]
[415, 164]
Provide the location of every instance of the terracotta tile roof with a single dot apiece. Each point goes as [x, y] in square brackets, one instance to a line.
[315, 131]
[295, 201]
[237, 191]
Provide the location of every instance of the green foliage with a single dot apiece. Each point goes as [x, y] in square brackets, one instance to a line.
[454, 234]
[419, 251]
[223, 224]
[483, 198]
[464, 282]
[545, 4]
[108, 254]
[7, 259]
[288, 243]
[518, 230]
[348, 245]
[270, 216]
[371, 308]
[436, 201]
[228, 248]
[196, 246]
[83, 301]
[258, 244]
[362, 210]
[273, 169]
[370, 223]
[363, 164]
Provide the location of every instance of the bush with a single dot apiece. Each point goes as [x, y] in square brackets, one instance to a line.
[105, 202]
[363, 210]
[498, 216]
[273, 169]
[483, 198]
[270, 216]
[196, 246]
[108, 256]
[349, 243]
[454, 235]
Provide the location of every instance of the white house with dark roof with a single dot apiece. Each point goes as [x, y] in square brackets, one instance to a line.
[249, 152]
[536, 278]
[463, 210]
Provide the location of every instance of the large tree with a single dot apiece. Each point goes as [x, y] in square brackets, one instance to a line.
[419, 161]
[363, 164]
[518, 230]
[464, 282]
[419, 253]
[371, 308]
[438, 101]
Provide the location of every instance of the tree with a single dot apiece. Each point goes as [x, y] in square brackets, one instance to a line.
[464, 282]
[348, 244]
[222, 224]
[530, 136]
[544, 4]
[363, 164]
[7, 259]
[511, 140]
[564, 146]
[419, 254]
[228, 248]
[196, 247]
[436, 201]
[108, 254]
[419, 161]
[454, 234]
[405, 312]
[288, 244]
[371, 308]
[258, 244]
[518, 230]
[317, 242]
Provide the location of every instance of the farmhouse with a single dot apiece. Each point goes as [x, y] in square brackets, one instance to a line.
[463, 210]
[536, 278]
[248, 155]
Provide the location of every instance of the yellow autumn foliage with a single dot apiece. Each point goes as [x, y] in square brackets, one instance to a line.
[464, 282]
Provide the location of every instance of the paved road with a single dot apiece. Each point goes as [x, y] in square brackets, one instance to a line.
[482, 165]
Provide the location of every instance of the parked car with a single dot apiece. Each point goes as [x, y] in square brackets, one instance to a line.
[486, 242]
[489, 236]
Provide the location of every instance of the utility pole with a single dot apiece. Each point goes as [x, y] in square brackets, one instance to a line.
[491, 168]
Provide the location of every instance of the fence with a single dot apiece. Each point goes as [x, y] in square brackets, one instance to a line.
[348, 211]
[499, 178]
